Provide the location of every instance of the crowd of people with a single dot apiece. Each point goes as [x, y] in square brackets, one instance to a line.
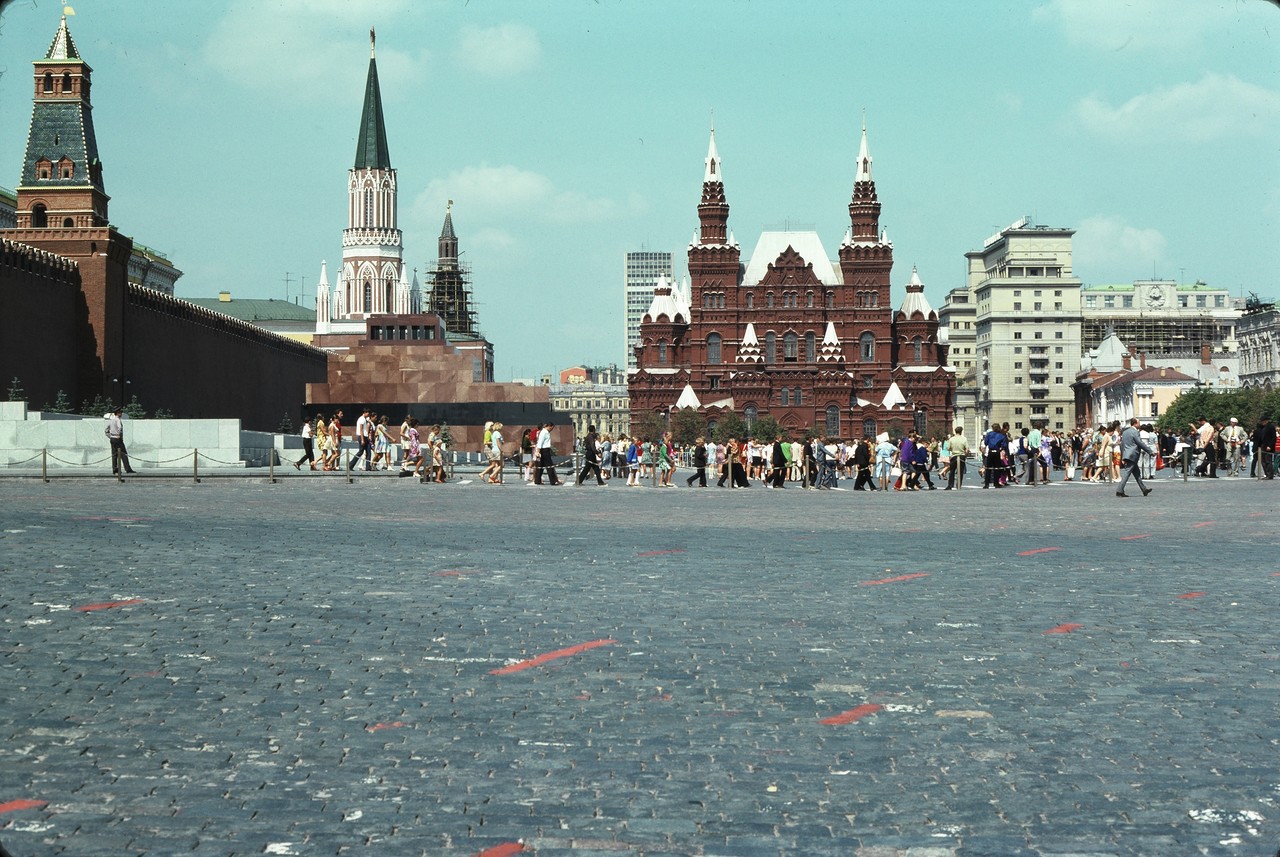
[1004, 457]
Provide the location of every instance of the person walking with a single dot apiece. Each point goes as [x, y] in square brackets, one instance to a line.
[115, 434]
[1264, 448]
[308, 447]
[958, 446]
[1131, 448]
[861, 461]
[995, 443]
[591, 457]
[546, 464]
[699, 464]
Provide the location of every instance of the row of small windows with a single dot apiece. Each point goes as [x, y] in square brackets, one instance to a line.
[40, 218]
[409, 332]
[66, 168]
[790, 300]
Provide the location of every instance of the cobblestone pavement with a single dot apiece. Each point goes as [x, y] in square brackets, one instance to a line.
[316, 668]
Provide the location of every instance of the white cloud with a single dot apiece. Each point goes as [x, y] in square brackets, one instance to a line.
[1215, 107]
[306, 48]
[1105, 248]
[493, 196]
[502, 51]
[1116, 25]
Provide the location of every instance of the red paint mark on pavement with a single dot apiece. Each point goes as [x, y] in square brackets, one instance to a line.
[1255, 514]
[583, 697]
[107, 605]
[378, 727]
[458, 572]
[506, 849]
[15, 805]
[660, 553]
[1138, 536]
[999, 526]
[550, 656]
[1035, 551]
[1066, 628]
[1193, 595]
[662, 697]
[897, 579]
[1203, 524]
[853, 715]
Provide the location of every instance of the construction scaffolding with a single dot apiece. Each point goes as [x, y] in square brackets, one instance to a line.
[1157, 334]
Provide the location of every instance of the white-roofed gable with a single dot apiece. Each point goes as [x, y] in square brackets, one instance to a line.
[894, 397]
[773, 244]
[688, 398]
[749, 348]
[830, 352]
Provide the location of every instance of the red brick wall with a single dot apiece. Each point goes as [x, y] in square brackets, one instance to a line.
[39, 295]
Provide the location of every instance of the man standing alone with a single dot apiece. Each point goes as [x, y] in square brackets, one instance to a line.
[959, 447]
[1264, 447]
[115, 434]
[1131, 448]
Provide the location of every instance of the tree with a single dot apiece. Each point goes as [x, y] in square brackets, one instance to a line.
[61, 404]
[134, 410]
[286, 424]
[648, 426]
[1248, 406]
[97, 406]
[687, 425]
[729, 425]
[163, 414]
[446, 436]
[765, 427]
[16, 393]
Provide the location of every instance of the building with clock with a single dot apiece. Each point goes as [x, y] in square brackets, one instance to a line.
[1159, 316]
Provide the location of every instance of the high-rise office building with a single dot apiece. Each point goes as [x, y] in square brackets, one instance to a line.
[640, 278]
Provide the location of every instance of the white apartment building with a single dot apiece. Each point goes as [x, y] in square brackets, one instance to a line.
[641, 269]
[1027, 326]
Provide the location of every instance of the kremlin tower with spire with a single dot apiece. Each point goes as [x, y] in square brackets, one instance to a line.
[812, 342]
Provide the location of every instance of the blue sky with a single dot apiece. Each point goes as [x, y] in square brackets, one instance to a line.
[570, 132]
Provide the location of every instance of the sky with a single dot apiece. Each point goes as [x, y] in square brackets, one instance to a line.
[570, 132]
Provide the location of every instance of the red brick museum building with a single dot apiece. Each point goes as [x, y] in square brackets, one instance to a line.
[813, 342]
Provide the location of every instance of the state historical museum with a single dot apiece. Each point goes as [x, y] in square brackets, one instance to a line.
[815, 343]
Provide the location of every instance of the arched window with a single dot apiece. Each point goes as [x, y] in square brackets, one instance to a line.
[750, 415]
[751, 300]
[713, 348]
[810, 346]
[868, 346]
[368, 206]
[39, 216]
[786, 397]
[68, 223]
[368, 297]
[797, 396]
[768, 300]
[790, 345]
[869, 428]
[917, 349]
[48, 81]
[66, 81]
[662, 352]
[770, 347]
[388, 293]
[833, 421]
[831, 300]
[808, 299]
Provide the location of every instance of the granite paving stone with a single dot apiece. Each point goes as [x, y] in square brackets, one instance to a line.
[309, 667]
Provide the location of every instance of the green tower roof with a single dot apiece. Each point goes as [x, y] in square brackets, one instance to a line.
[371, 145]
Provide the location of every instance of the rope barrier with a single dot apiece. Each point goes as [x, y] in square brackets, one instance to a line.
[24, 461]
[182, 457]
[80, 464]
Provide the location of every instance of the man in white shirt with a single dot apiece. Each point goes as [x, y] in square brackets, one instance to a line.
[115, 434]
[363, 446]
[1233, 437]
[544, 454]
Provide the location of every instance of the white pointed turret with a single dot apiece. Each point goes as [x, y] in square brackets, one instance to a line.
[415, 294]
[893, 398]
[323, 314]
[733, 242]
[864, 158]
[884, 237]
[712, 173]
[749, 348]
[664, 303]
[831, 351]
[915, 301]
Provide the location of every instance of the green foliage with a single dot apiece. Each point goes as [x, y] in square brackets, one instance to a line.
[16, 393]
[286, 424]
[134, 410]
[162, 414]
[687, 425]
[61, 404]
[446, 436]
[729, 425]
[1249, 406]
[97, 406]
[765, 428]
[649, 426]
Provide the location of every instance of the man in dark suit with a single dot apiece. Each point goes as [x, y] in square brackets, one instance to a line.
[1264, 445]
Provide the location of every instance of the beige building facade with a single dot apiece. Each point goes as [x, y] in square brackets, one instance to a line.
[1026, 326]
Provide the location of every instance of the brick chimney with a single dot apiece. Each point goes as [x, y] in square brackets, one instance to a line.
[1205, 353]
[1126, 361]
[1142, 359]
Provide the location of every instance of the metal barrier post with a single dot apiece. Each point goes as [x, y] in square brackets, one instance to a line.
[348, 465]
[195, 465]
[1186, 462]
[44, 464]
[271, 467]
